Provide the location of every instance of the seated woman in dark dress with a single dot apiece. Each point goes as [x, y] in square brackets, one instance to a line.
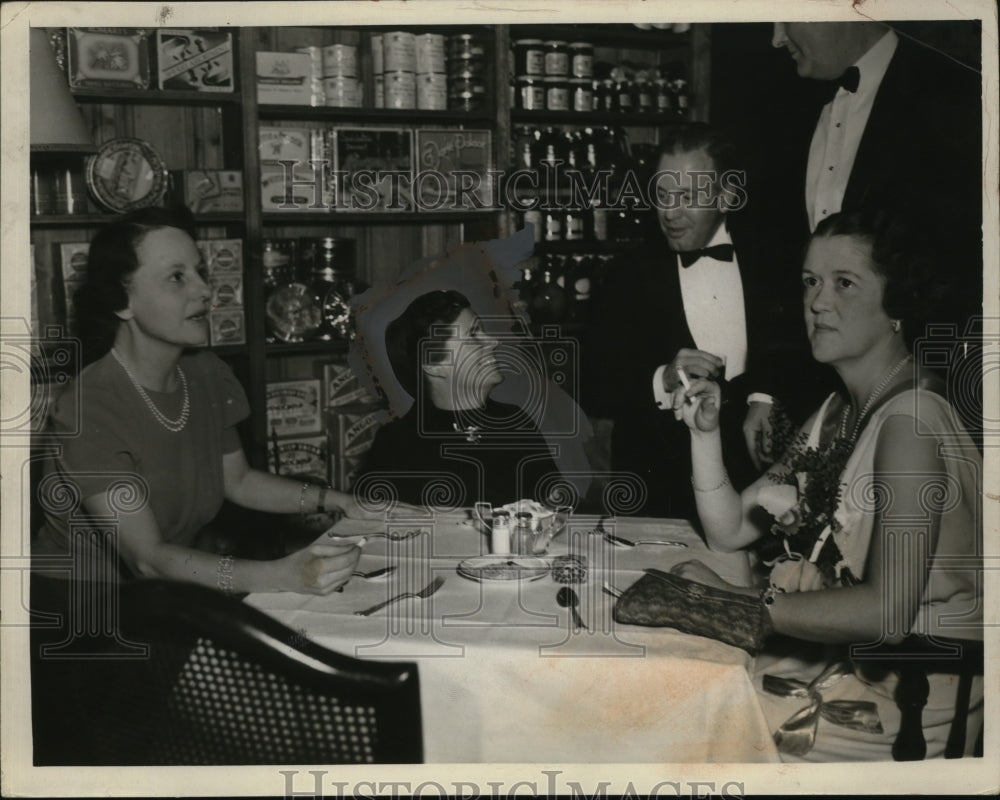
[455, 446]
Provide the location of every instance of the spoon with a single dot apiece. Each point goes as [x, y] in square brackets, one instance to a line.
[567, 598]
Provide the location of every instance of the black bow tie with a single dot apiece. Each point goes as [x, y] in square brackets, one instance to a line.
[849, 80]
[720, 252]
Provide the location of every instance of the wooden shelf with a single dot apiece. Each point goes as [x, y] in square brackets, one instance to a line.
[372, 218]
[604, 35]
[157, 97]
[336, 347]
[585, 118]
[92, 220]
[368, 115]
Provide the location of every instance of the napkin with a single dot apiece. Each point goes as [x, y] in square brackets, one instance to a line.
[659, 599]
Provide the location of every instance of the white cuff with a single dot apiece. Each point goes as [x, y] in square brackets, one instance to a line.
[760, 397]
[661, 396]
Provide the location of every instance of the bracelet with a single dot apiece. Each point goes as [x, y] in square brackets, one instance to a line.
[224, 574]
[760, 397]
[725, 482]
[302, 499]
[768, 593]
[321, 501]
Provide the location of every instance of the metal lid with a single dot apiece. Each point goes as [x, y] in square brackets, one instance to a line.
[126, 174]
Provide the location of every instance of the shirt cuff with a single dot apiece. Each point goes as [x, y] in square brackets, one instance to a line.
[760, 397]
[659, 394]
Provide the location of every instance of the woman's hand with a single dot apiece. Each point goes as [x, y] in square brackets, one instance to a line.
[702, 412]
[696, 571]
[320, 568]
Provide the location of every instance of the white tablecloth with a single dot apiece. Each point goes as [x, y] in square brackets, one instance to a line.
[504, 678]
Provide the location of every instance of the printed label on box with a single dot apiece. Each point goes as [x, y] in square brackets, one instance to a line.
[351, 435]
[227, 290]
[293, 407]
[378, 169]
[227, 326]
[210, 190]
[341, 387]
[284, 78]
[303, 455]
[454, 156]
[222, 255]
[193, 60]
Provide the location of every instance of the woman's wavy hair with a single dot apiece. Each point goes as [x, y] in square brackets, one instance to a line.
[917, 287]
[111, 262]
[404, 334]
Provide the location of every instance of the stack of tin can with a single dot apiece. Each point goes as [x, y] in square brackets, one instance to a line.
[409, 70]
[466, 72]
[335, 81]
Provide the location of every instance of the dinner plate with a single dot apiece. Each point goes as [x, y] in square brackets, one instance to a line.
[503, 568]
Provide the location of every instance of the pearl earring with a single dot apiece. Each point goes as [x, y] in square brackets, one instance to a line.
[895, 326]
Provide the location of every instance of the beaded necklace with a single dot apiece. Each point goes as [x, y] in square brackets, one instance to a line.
[876, 392]
[174, 426]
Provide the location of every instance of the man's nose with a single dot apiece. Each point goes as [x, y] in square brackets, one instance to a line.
[778, 37]
[672, 212]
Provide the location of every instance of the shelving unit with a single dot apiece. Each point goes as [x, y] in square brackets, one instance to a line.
[193, 130]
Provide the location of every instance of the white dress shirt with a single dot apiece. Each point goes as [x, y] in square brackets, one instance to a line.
[838, 133]
[712, 294]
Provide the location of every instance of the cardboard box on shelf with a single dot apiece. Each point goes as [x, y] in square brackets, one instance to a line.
[304, 456]
[352, 430]
[194, 60]
[209, 190]
[284, 79]
[227, 290]
[293, 407]
[227, 326]
[222, 255]
[341, 387]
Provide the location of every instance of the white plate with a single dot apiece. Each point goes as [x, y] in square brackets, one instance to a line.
[503, 568]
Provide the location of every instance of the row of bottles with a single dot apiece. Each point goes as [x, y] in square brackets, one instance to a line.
[308, 286]
[558, 288]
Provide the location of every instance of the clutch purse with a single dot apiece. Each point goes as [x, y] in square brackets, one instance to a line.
[659, 599]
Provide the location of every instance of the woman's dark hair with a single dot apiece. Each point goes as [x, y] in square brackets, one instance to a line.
[110, 263]
[404, 334]
[917, 287]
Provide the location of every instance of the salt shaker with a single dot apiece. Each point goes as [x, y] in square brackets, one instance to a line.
[500, 533]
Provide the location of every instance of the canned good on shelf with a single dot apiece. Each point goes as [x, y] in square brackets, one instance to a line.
[430, 53]
[529, 93]
[432, 91]
[556, 94]
[399, 52]
[343, 92]
[400, 90]
[340, 60]
[378, 59]
[529, 57]
[379, 91]
[556, 58]
[582, 94]
[581, 55]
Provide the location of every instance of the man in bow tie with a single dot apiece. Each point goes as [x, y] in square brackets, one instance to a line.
[685, 307]
[896, 122]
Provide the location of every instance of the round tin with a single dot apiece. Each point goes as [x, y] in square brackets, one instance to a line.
[432, 91]
[378, 60]
[529, 57]
[400, 90]
[399, 52]
[556, 58]
[126, 174]
[342, 92]
[430, 53]
[340, 61]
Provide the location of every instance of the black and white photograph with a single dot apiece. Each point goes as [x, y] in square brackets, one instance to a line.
[428, 398]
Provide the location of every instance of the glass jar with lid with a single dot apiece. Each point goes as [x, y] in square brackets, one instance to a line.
[332, 287]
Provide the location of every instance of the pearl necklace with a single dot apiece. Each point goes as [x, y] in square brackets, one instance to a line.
[869, 402]
[174, 426]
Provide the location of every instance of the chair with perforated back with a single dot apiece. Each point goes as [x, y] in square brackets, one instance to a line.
[223, 683]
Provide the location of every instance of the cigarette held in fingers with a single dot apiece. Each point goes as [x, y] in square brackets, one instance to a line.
[685, 382]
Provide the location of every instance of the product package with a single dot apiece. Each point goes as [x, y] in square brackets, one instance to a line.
[293, 407]
[194, 60]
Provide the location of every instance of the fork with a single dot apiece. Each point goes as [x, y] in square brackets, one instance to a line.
[424, 593]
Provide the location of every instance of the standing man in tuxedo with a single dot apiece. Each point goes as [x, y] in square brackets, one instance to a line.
[688, 301]
[900, 124]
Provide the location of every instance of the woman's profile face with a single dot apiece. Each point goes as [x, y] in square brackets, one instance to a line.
[168, 294]
[468, 354]
[842, 298]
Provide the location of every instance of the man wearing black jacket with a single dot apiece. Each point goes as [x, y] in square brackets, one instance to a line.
[694, 301]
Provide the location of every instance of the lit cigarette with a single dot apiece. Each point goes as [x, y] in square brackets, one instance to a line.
[685, 383]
